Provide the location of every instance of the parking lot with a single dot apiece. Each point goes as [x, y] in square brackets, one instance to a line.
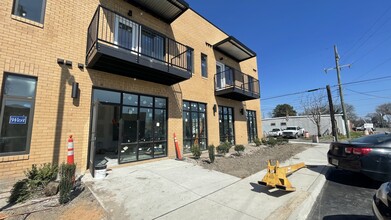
[345, 195]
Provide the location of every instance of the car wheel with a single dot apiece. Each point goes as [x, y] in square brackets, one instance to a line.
[296, 136]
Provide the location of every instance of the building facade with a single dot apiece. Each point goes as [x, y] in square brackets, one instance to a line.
[121, 77]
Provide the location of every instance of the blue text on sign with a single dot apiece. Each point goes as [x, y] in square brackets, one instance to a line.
[18, 120]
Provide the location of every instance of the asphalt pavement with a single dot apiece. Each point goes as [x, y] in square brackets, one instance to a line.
[345, 195]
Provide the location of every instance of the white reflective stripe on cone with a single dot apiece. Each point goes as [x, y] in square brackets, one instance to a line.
[70, 153]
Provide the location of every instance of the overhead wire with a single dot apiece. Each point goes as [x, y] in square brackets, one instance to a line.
[362, 93]
[333, 86]
[370, 36]
[377, 66]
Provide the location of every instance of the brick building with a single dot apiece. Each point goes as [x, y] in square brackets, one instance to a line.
[121, 77]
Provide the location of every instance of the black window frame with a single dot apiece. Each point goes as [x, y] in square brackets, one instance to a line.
[204, 65]
[5, 98]
[147, 32]
[224, 138]
[138, 106]
[252, 133]
[193, 139]
[43, 10]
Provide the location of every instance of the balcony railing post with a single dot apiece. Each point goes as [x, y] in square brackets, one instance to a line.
[168, 54]
[138, 43]
[97, 24]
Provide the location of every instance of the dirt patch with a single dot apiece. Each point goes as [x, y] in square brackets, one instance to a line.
[253, 160]
[84, 206]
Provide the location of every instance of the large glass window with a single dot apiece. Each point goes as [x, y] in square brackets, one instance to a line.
[16, 114]
[142, 124]
[144, 127]
[194, 125]
[30, 9]
[226, 124]
[126, 33]
[204, 65]
[152, 45]
[251, 125]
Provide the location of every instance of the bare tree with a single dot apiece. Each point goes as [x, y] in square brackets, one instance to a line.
[376, 119]
[384, 110]
[315, 105]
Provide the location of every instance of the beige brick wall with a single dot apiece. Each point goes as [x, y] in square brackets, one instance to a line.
[32, 49]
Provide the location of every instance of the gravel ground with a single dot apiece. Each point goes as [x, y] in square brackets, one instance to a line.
[253, 160]
[83, 207]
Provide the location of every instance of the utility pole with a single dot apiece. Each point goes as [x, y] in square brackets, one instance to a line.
[332, 117]
[338, 68]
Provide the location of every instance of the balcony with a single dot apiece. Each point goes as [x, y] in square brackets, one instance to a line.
[233, 84]
[118, 45]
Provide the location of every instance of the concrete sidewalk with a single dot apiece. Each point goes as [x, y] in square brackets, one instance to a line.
[172, 189]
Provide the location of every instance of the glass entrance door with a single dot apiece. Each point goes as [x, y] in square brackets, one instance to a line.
[104, 135]
[251, 126]
[220, 76]
[91, 164]
[127, 127]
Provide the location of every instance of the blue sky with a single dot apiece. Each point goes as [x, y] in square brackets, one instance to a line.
[294, 44]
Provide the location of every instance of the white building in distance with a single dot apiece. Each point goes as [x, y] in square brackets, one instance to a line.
[305, 122]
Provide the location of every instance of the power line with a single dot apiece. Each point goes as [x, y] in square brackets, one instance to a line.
[377, 66]
[382, 97]
[365, 80]
[311, 90]
[381, 90]
[290, 94]
[362, 36]
[371, 50]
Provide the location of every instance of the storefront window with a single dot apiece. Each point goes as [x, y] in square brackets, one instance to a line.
[251, 126]
[194, 125]
[142, 124]
[226, 124]
[16, 114]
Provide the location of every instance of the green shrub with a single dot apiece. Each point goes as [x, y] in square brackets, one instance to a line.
[271, 142]
[239, 148]
[281, 140]
[211, 150]
[36, 179]
[40, 177]
[196, 151]
[20, 192]
[221, 149]
[224, 148]
[257, 142]
[67, 174]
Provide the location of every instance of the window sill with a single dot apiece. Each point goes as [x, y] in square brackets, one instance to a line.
[14, 158]
[204, 77]
[27, 21]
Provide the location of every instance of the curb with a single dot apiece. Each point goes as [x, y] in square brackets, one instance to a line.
[305, 208]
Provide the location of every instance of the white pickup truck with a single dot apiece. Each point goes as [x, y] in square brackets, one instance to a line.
[293, 131]
[275, 132]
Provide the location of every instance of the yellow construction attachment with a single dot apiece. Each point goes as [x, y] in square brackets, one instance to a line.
[277, 176]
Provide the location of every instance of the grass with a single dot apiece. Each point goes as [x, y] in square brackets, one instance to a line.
[353, 135]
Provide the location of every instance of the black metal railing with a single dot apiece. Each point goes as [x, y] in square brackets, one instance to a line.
[232, 78]
[111, 28]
